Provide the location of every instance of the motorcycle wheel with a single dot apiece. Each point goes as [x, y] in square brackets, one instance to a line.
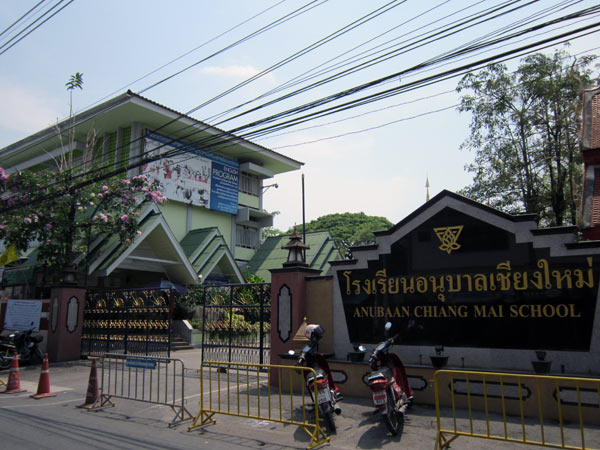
[393, 417]
[4, 362]
[328, 419]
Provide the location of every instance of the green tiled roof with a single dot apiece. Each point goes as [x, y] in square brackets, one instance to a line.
[270, 255]
[196, 239]
[207, 250]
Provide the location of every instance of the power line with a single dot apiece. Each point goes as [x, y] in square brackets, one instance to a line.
[210, 142]
[361, 21]
[297, 12]
[437, 36]
[223, 135]
[375, 127]
[236, 43]
[176, 119]
[186, 53]
[4, 47]
[375, 13]
[21, 18]
[386, 93]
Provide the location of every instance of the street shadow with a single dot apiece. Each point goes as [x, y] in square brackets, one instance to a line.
[377, 434]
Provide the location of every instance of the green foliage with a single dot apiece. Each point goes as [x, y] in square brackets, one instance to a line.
[62, 211]
[182, 311]
[270, 231]
[524, 135]
[46, 209]
[349, 229]
[241, 320]
[75, 81]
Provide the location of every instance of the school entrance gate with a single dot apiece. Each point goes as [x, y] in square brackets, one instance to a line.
[128, 321]
[236, 323]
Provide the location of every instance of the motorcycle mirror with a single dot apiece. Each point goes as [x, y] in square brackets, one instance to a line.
[361, 348]
[388, 327]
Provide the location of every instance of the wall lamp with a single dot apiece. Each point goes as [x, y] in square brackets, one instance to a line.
[264, 188]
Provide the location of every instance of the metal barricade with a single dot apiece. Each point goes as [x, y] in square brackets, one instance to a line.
[146, 379]
[541, 410]
[259, 391]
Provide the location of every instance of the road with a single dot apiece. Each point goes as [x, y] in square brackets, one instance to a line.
[56, 422]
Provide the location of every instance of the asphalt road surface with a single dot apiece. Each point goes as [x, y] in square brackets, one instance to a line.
[57, 422]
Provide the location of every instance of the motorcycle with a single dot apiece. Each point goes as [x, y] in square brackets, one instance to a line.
[389, 384]
[22, 343]
[327, 392]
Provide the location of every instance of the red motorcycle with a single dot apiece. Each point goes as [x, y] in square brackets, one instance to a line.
[327, 392]
[391, 392]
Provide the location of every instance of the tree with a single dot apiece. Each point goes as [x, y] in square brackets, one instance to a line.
[49, 209]
[524, 134]
[349, 229]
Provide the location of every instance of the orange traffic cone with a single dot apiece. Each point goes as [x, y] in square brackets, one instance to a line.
[93, 394]
[14, 378]
[44, 383]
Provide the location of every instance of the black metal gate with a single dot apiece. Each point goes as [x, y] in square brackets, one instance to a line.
[129, 321]
[236, 323]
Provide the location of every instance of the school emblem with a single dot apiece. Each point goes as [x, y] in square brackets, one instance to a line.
[448, 236]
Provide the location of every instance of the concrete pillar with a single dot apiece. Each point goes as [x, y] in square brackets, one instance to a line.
[288, 307]
[66, 323]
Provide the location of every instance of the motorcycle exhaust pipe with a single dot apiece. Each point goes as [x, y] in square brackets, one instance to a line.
[337, 410]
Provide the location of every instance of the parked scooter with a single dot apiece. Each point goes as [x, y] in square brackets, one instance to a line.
[23, 343]
[327, 392]
[391, 392]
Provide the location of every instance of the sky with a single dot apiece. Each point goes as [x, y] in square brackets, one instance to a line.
[375, 158]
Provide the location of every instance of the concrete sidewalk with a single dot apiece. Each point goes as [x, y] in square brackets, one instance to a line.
[357, 426]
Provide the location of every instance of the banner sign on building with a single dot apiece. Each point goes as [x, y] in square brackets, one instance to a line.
[457, 280]
[191, 175]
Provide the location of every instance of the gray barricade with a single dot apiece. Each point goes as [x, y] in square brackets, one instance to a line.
[146, 379]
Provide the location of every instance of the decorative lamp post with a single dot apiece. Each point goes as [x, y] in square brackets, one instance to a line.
[296, 251]
[69, 275]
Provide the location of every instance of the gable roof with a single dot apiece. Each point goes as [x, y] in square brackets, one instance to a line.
[270, 255]
[559, 240]
[209, 254]
[155, 249]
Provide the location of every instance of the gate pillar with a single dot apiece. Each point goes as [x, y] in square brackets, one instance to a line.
[288, 307]
[65, 323]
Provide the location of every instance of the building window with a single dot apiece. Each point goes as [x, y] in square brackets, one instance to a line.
[249, 184]
[246, 237]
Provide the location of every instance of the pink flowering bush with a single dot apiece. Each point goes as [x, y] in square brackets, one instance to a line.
[64, 212]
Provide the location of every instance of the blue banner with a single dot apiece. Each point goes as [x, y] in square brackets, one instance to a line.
[192, 175]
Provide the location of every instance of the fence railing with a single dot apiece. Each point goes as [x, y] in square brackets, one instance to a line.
[259, 391]
[248, 355]
[145, 379]
[549, 411]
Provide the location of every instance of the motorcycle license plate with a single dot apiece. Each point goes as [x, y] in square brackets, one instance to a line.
[323, 396]
[379, 398]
